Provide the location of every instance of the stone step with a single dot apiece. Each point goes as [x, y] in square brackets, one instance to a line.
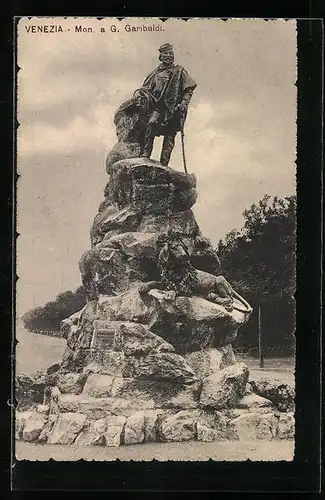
[95, 408]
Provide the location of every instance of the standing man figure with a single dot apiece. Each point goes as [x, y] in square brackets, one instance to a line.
[166, 93]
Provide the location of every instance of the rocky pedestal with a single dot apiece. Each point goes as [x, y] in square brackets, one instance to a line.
[140, 366]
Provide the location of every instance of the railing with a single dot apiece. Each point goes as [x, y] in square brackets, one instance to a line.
[268, 351]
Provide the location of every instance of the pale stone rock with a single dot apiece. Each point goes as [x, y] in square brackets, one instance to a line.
[44, 409]
[286, 426]
[187, 397]
[67, 428]
[98, 386]
[157, 393]
[204, 362]
[150, 425]
[71, 383]
[114, 428]
[134, 428]
[225, 388]
[19, 426]
[281, 395]
[96, 408]
[252, 401]
[44, 435]
[207, 434]
[248, 389]
[138, 340]
[93, 434]
[32, 429]
[178, 427]
[254, 426]
[112, 363]
[162, 366]
[237, 412]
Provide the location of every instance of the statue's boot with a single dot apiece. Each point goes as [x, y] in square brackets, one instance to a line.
[148, 141]
[167, 148]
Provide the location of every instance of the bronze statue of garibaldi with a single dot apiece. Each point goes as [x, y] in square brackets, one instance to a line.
[167, 92]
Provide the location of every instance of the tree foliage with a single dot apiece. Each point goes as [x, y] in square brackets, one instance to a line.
[259, 260]
[50, 316]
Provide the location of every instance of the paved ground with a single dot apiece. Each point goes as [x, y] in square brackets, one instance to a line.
[190, 451]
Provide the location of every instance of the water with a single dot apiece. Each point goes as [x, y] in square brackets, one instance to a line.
[35, 351]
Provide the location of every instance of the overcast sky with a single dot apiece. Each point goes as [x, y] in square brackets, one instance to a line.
[240, 131]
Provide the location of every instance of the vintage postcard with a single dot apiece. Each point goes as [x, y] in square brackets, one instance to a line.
[156, 212]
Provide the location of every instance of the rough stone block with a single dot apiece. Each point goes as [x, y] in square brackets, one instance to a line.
[252, 401]
[114, 428]
[134, 428]
[93, 434]
[225, 388]
[204, 362]
[162, 366]
[178, 427]
[96, 408]
[71, 383]
[32, 429]
[286, 426]
[207, 434]
[98, 386]
[150, 426]
[67, 428]
[254, 426]
[281, 395]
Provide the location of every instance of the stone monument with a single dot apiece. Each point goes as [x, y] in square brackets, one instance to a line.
[150, 355]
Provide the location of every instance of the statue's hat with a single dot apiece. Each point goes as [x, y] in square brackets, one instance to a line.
[165, 47]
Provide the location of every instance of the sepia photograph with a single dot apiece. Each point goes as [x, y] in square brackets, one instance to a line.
[156, 265]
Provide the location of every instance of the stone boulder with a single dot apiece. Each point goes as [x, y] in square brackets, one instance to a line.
[207, 434]
[30, 389]
[93, 433]
[112, 220]
[150, 426]
[212, 426]
[98, 386]
[96, 408]
[163, 366]
[134, 428]
[178, 427]
[189, 324]
[254, 426]
[225, 388]
[286, 426]
[281, 395]
[206, 362]
[32, 429]
[67, 428]
[114, 430]
[149, 184]
[71, 383]
[253, 401]
[157, 393]
[46, 431]
[29, 424]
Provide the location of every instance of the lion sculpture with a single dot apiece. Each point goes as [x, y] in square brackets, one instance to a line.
[180, 277]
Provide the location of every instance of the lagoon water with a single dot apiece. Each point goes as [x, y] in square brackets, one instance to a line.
[35, 351]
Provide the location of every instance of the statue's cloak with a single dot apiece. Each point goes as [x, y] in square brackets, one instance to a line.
[179, 83]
